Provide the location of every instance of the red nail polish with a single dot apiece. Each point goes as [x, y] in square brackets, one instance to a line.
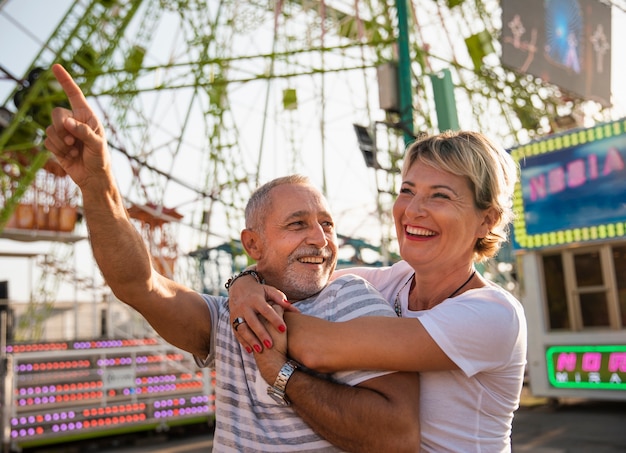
[248, 349]
[282, 328]
[267, 343]
[257, 348]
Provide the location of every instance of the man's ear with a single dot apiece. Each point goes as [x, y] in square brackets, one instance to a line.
[252, 243]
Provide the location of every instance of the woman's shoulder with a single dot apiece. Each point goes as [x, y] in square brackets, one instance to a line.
[385, 279]
[492, 296]
[396, 271]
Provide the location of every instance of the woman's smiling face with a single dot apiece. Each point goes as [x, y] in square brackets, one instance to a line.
[436, 219]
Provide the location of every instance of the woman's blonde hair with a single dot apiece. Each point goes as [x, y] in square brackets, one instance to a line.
[490, 170]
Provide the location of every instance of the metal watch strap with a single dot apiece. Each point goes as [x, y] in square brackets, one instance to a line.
[280, 384]
[232, 279]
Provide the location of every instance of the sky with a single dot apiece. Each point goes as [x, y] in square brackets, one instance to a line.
[352, 188]
[351, 185]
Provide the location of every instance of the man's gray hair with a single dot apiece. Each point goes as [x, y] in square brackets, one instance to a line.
[260, 202]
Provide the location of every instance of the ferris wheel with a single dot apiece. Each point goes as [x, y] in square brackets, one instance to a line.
[204, 100]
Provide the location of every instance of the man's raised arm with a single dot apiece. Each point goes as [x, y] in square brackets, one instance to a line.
[76, 138]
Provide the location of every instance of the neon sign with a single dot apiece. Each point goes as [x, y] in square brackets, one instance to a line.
[572, 188]
[587, 367]
[574, 174]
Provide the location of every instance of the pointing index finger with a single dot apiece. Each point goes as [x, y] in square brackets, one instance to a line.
[72, 90]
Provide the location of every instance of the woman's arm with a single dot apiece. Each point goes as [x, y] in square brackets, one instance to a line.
[249, 300]
[379, 414]
[377, 343]
[252, 301]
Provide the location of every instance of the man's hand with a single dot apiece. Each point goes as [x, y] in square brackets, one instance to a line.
[76, 137]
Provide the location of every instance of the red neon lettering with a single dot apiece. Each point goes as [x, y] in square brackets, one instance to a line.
[556, 180]
[592, 361]
[593, 166]
[613, 162]
[538, 188]
[576, 173]
[617, 361]
[566, 361]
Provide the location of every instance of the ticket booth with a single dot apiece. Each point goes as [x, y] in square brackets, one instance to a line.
[570, 241]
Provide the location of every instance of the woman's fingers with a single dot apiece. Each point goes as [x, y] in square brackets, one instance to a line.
[255, 333]
[275, 296]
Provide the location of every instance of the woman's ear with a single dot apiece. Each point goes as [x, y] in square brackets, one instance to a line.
[252, 243]
[490, 218]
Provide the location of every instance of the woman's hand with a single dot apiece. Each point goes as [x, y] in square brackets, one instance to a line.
[271, 361]
[251, 302]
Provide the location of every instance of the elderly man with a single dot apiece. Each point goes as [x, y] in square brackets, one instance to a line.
[290, 233]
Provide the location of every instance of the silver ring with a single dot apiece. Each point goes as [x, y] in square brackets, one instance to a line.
[237, 322]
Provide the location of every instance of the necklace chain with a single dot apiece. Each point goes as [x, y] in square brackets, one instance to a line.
[398, 308]
[463, 285]
[396, 303]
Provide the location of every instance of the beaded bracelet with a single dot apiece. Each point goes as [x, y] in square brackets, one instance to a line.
[232, 279]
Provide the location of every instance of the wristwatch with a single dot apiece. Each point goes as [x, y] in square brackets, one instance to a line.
[277, 391]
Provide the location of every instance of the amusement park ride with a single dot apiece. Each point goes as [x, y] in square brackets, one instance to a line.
[203, 100]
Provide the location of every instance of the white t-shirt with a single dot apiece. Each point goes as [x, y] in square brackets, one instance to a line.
[483, 331]
[247, 419]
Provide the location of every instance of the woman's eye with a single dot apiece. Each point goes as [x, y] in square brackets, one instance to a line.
[441, 195]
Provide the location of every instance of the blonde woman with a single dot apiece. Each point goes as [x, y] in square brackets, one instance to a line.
[464, 335]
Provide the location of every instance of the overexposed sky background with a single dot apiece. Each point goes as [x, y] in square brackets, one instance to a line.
[25, 25]
[290, 143]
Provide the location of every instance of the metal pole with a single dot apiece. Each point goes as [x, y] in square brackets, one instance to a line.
[6, 392]
[404, 72]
